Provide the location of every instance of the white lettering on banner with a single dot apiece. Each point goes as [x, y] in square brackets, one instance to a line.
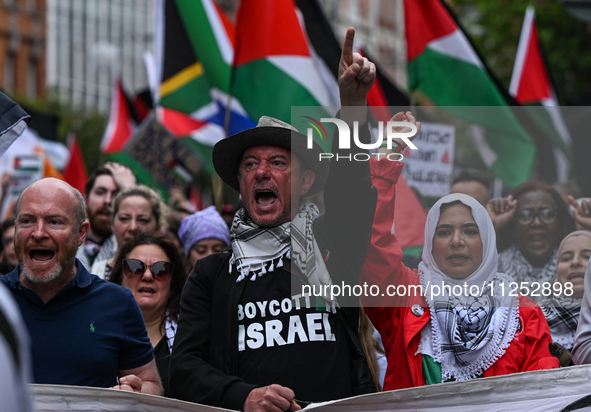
[305, 327]
[429, 169]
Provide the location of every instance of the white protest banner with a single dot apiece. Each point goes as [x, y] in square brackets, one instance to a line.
[24, 169]
[62, 398]
[430, 168]
[539, 391]
[549, 390]
[29, 143]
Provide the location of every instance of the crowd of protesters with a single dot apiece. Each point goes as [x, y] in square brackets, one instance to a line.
[103, 283]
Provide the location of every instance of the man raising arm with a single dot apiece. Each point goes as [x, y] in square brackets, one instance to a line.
[247, 339]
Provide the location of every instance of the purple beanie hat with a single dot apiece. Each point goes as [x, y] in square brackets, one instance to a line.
[205, 224]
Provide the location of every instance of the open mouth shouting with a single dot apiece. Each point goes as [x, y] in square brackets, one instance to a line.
[265, 197]
[41, 255]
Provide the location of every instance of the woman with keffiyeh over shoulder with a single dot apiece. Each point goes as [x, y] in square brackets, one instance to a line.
[563, 307]
[433, 337]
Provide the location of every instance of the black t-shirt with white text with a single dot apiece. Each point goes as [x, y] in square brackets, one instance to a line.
[291, 340]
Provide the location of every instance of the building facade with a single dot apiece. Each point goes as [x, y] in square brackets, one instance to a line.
[22, 47]
[379, 26]
[91, 43]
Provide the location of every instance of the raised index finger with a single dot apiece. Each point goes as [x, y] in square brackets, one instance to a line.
[347, 55]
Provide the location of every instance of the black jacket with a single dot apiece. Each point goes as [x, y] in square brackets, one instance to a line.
[204, 360]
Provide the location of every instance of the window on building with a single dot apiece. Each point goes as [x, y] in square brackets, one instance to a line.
[9, 61]
[31, 5]
[32, 78]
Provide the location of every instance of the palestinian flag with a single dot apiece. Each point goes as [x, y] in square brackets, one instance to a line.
[273, 65]
[445, 67]
[410, 217]
[28, 163]
[531, 85]
[75, 171]
[120, 129]
[383, 95]
[122, 121]
[143, 104]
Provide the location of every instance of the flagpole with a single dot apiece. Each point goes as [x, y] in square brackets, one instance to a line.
[216, 182]
[227, 115]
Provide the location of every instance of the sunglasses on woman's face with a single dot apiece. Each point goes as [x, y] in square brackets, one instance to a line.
[546, 215]
[160, 270]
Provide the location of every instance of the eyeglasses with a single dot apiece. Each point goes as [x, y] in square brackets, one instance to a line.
[160, 270]
[546, 215]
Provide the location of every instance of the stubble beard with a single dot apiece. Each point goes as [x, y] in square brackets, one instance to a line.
[70, 257]
[279, 220]
[41, 280]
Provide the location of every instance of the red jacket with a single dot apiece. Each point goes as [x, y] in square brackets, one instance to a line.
[400, 325]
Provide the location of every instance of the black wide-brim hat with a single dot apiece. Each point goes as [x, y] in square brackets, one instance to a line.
[227, 153]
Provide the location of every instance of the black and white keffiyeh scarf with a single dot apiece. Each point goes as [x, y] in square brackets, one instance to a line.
[257, 250]
[513, 263]
[170, 330]
[468, 332]
[562, 314]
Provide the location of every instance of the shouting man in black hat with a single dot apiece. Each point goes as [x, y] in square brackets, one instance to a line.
[249, 336]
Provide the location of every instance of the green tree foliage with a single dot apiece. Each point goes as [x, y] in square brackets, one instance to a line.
[495, 26]
[88, 127]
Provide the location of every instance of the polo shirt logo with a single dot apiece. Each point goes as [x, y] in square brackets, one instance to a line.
[92, 326]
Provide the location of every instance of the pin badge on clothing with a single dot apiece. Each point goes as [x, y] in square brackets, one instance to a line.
[417, 310]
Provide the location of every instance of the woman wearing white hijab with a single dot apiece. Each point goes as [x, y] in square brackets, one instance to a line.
[563, 308]
[478, 329]
[581, 353]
